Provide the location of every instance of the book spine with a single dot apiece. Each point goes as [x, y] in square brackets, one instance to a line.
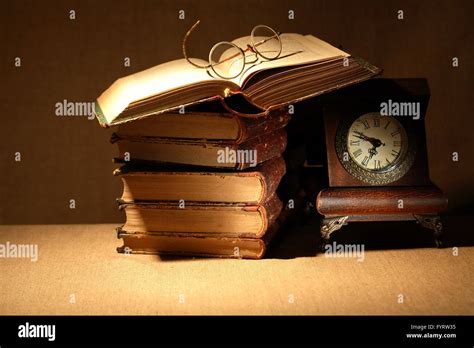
[273, 208]
[271, 176]
[253, 127]
[266, 147]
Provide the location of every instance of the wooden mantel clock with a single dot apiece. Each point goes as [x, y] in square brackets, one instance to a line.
[377, 158]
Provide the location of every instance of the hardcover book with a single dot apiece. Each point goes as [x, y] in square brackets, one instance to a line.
[211, 246]
[204, 125]
[200, 219]
[307, 67]
[217, 154]
[250, 187]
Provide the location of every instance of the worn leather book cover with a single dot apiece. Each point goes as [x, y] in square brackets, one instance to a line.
[205, 246]
[252, 186]
[232, 220]
[219, 125]
[215, 154]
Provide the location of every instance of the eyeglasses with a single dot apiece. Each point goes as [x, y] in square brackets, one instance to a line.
[227, 60]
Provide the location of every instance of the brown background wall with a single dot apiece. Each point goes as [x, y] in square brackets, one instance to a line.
[67, 158]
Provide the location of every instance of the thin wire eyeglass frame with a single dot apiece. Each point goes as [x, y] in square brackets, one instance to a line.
[241, 52]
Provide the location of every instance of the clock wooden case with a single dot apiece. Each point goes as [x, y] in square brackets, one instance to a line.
[377, 158]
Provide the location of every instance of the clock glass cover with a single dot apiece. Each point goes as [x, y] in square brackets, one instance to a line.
[375, 149]
[376, 143]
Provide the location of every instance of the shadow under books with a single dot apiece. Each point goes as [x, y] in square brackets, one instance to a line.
[301, 237]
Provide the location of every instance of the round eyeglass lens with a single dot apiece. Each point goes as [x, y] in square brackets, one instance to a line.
[266, 42]
[227, 60]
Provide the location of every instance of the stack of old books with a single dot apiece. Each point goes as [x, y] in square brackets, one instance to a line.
[201, 183]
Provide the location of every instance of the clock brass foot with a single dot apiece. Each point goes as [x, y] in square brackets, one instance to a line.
[432, 222]
[328, 226]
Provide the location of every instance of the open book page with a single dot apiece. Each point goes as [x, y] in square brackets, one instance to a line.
[297, 49]
[320, 46]
[169, 85]
[156, 80]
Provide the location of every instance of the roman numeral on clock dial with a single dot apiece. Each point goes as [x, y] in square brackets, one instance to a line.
[395, 132]
[365, 161]
[357, 153]
[365, 124]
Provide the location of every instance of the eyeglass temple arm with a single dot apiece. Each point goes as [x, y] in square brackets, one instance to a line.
[250, 48]
[184, 46]
[268, 39]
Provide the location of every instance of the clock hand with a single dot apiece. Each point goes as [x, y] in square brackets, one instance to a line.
[374, 141]
[358, 136]
[372, 152]
[361, 136]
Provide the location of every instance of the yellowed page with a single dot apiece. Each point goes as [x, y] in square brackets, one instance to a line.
[156, 80]
[320, 46]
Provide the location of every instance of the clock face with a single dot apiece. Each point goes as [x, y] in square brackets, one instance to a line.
[376, 143]
[375, 149]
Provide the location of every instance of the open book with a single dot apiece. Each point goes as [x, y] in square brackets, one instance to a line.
[306, 67]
